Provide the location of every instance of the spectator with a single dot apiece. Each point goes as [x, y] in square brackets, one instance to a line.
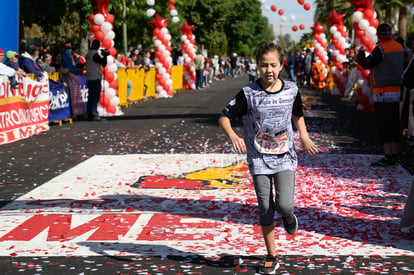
[9, 71]
[45, 50]
[94, 60]
[252, 70]
[233, 65]
[199, 67]
[45, 63]
[148, 63]
[138, 59]
[308, 66]
[57, 64]
[386, 67]
[67, 59]
[118, 61]
[27, 63]
[292, 66]
[80, 61]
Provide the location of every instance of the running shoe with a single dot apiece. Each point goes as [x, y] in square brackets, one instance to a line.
[270, 265]
[290, 223]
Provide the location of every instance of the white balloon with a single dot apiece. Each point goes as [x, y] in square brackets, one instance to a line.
[113, 68]
[110, 60]
[363, 24]
[105, 85]
[293, 17]
[357, 16]
[150, 12]
[164, 30]
[371, 31]
[168, 36]
[323, 36]
[98, 18]
[341, 40]
[115, 101]
[106, 27]
[161, 47]
[337, 35]
[176, 19]
[266, 7]
[333, 29]
[110, 93]
[110, 35]
[283, 18]
[173, 12]
[157, 43]
[150, 2]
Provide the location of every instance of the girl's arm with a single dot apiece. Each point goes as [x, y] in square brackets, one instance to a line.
[307, 143]
[238, 143]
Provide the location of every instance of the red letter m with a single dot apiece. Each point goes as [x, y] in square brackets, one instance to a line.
[108, 228]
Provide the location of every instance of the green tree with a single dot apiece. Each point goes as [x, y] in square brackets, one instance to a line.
[220, 26]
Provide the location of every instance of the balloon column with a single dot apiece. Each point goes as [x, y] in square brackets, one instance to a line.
[319, 40]
[163, 59]
[339, 43]
[101, 29]
[173, 11]
[365, 27]
[189, 48]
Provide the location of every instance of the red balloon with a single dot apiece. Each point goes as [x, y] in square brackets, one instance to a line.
[307, 6]
[113, 84]
[107, 43]
[171, 7]
[109, 76]
[365, 40]
[301, 2]
[90, 18]
[281, 12]
[172, 2]
[273, 8]
[110, 18]
[359, 33]
[368, 14]
[95, 28]
[294, 28]
[110, 109]
[301, 26]
[104, 100]
[355, 25]
[374, 22]
[100, 35]
[112, 51]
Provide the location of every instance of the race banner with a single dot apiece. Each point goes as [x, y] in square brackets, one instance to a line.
[59, 103]
[24, 110]
[78, 93]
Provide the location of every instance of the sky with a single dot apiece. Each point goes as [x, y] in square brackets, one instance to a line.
[291, 9]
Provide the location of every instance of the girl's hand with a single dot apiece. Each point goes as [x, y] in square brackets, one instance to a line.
[238, 144]
[309, 146]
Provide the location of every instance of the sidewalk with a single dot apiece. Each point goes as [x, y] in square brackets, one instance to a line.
[159, 191]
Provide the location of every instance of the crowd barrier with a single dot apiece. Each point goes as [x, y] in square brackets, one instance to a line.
[29, 109]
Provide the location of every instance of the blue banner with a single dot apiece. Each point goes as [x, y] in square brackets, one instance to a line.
[9, 27]
[78, 93]
[59, 103]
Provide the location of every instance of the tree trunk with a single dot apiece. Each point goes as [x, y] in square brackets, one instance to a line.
[402, 22]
